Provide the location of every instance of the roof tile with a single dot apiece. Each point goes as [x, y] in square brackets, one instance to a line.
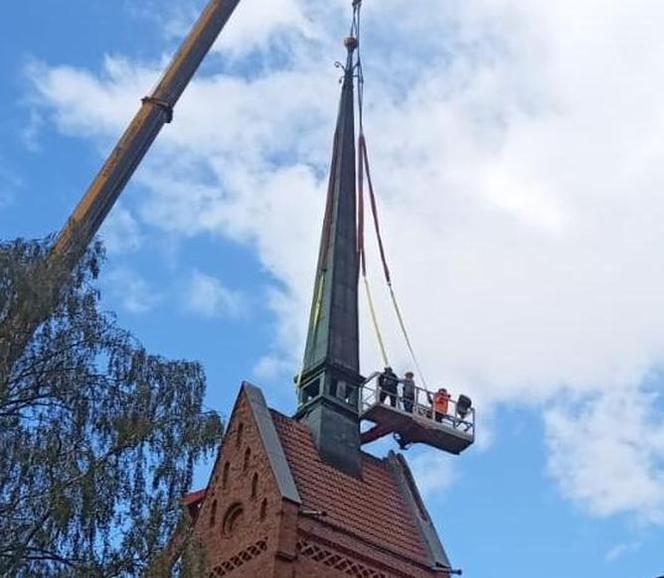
[371, 507]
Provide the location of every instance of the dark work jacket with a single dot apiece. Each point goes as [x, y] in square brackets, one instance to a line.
[388, 382]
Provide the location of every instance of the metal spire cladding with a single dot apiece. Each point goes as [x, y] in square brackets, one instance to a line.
[328, 383]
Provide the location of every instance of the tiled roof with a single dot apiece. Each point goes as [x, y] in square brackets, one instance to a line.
[372, 507]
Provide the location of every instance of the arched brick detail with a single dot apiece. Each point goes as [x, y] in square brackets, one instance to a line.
[254, 486]
[252, 549]
[225, 474]
[239, 434]
[213, 513]
[233, 519]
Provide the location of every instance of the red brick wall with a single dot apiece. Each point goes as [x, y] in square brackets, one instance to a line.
[255, 535]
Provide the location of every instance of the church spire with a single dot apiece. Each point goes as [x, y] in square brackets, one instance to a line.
[330, 378]
[333, 326]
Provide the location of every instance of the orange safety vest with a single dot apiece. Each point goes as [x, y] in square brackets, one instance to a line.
[441, 402]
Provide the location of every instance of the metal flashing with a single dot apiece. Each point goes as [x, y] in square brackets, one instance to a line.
[406, 482]
[271, 443]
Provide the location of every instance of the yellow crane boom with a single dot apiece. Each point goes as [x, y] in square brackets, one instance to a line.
[24, 315]
[156, 110]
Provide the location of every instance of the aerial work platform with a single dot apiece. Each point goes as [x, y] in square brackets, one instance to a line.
[414, 420]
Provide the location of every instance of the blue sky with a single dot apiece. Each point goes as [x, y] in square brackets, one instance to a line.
[517, 149]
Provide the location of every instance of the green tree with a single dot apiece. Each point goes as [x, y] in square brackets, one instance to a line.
[98, 438]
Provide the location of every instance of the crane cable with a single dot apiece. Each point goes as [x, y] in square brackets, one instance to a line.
[355, 32]
[363, 166]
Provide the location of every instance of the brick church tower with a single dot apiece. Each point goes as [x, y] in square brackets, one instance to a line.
[297, 496]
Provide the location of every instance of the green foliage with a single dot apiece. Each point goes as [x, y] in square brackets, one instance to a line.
[97, 437]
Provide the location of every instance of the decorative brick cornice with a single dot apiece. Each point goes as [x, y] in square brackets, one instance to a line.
[337, 561]
[239, 559]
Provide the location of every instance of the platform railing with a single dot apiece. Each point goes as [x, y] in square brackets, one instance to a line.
[421, 406]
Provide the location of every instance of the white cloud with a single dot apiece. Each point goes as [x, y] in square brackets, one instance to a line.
[516, 148]
[620, 550]
[434, 472]
[132, 291]
[272, 366]
[608, 454]
[256, 25]
[30, 133]
[85, 105]
[121, 232]
[208, 297]
[10, 183]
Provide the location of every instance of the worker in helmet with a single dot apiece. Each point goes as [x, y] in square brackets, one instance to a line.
[408, 392]
[441, 403]
[388, 383]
